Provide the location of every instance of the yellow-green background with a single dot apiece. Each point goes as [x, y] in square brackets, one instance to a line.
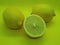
[18, 37]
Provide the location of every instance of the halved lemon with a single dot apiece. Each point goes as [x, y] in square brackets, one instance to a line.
[34, 26]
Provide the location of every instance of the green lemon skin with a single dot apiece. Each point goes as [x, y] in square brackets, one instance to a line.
[13, 18]
[45, 11]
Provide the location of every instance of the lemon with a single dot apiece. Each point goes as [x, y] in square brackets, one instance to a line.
[13, 17]
[34, 26]
[45, 11]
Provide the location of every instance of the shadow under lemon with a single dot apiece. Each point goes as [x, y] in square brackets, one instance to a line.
[12, 33]
[34, 41]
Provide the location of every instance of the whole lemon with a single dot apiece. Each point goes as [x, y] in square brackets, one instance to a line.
[45, 11]
[13, 18]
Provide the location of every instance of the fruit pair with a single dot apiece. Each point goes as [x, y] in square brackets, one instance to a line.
[34, 25]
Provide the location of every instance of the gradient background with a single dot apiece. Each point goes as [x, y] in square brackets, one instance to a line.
[18, 37]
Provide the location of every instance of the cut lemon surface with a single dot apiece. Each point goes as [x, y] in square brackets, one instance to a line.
[34, 26]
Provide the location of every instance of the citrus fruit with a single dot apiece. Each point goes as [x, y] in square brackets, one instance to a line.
[34, 26]
[13, 18]
[45, 11]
